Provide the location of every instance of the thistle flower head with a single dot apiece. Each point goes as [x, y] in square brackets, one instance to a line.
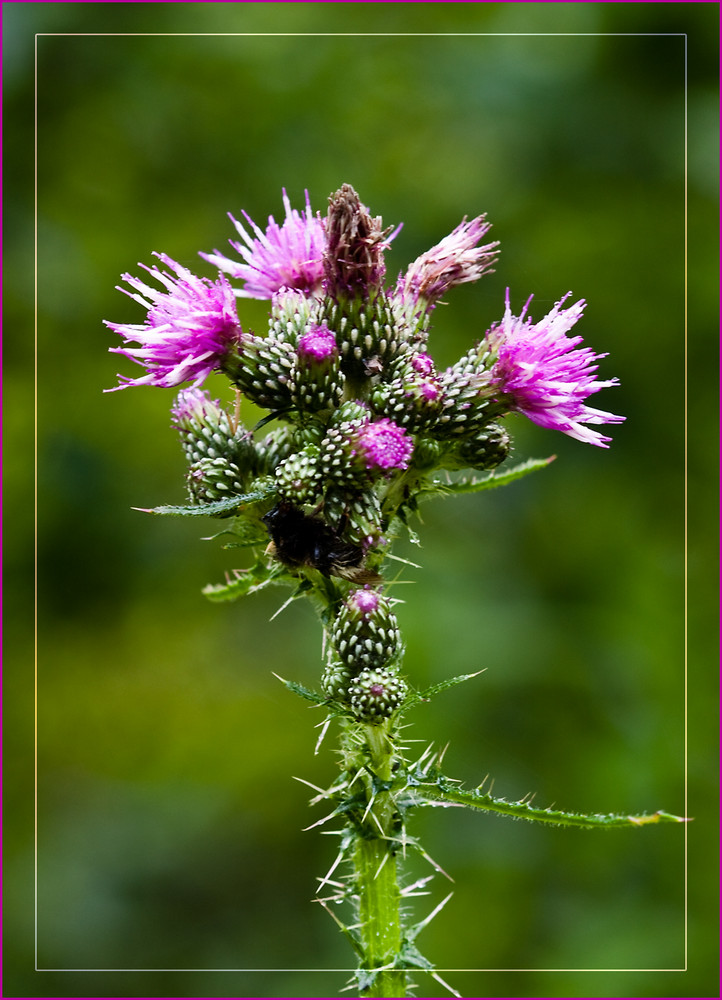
[423, 364]
[285, 256]
[364, 602]
[543, 373]
[382, 444]
[453, 261]
[191, 327]
[318, 345]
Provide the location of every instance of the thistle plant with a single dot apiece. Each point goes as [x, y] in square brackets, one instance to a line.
[360, 428]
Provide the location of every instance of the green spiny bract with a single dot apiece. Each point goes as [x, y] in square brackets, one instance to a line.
[367, 334]
[486, 449]
[214, 479]
[356, 514]
[220, 452]
[275, 447]
[292, 314]
[466, 397]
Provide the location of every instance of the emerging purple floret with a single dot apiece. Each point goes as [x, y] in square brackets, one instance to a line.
[364, 601]
[318, 344]
[194, 404]
[423, 364]
[383, 445]
[546, 375]
[285, 256]
[191, 326]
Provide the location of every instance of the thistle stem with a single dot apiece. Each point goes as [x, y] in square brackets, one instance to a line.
[376, 874]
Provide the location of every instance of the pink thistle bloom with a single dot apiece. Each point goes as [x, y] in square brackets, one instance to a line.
[382, 444]
[423, 364]
[191, 326]
[318, 344]
[544, 374]
[285, 256]
[453, 261]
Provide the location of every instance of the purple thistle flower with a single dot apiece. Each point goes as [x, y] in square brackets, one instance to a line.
[453, 261]
[318, 344]
[382, 444]
[423, 364]
[546, 375]
[285, 256]
[364, 602]
[191, 326]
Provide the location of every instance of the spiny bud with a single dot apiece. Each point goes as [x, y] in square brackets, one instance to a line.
[412, 396]
[206, 430]
[298, 477]
[221, 453]
[376, 694]
[291, 315]
[485, 450]
[275, 447]
[466, 396]
[356, 515]
[214, 479]
[353, 411]
[365, 632]
[427, 453]
[336, 680]
[263, 371]
[317, 380]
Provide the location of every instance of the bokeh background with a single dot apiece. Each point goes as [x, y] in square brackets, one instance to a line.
[169, 829]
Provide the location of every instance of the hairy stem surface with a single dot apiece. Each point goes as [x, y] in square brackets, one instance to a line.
[376, 872]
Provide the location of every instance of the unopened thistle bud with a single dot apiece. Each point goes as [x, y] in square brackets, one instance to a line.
[356, 514]
[263, 371]
[298, 477]
[485, 450]
[365, 633]
[275, 447]
[376, 694]
[466, 398]
[336, 681]
[206, 430]
[291, 315]
[413, 395]
[317, 381]
[214, 479]
[221, 453]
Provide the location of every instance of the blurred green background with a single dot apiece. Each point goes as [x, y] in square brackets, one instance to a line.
[169, 829]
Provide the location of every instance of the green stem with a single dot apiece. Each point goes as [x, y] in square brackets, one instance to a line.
[376, 874]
